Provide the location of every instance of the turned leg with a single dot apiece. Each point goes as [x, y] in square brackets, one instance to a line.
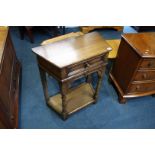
[21, 32]
[121, 99]
[100, 77]
[44, 83]
[63, 29]
[63, 90]
[30, 34]
[55, 31]
[89, 78]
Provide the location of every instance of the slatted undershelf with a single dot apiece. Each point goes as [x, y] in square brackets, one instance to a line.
[78, 98]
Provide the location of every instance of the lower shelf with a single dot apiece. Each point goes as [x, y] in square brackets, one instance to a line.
[78, 98]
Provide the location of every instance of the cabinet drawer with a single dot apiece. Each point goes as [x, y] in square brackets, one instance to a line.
[144, 75]
[86, 66]
[148, 64]
[143, 87]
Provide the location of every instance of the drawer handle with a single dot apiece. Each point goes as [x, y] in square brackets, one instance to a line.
[144, 76]
[14, 90]
[137, 87]
[151, 64]
[12, 117]
[87, 64]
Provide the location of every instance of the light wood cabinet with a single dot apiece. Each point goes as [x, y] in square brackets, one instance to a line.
[86, 29]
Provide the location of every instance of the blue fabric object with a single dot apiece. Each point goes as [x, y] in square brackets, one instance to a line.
[106, 114]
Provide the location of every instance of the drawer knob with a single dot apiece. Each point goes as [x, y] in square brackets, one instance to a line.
[137, 87]
[144, 76]
[151, 64]
[87, 64]
[12, 117]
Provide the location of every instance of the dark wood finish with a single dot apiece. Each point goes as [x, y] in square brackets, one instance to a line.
[144, 28]
[86, 29]
[28, 30]
[9, 81]
[68, 60]
[143, 43]
[54, 31]
[133, 72]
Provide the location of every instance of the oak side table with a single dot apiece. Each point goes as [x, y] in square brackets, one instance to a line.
[67, 61]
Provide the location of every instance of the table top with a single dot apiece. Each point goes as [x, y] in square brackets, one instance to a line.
[3, 36]
[73, 50]
[143, 43]
[115, 45]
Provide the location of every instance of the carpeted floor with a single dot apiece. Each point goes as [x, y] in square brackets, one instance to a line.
[107, 113]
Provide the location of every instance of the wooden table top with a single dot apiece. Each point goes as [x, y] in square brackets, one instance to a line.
[3, 36]
[115, 45]
[143, 43]
[73, 50]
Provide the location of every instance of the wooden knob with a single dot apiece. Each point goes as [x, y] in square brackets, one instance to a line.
[87, 64]
[12, 117]
[144, 76]
[137, 87]
[14, 90]
[151, 64]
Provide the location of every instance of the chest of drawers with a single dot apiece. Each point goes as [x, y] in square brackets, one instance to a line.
[9, 81]
[134, 70]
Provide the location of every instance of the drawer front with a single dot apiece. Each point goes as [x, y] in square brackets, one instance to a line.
[143, 87]
[144, 75]
[148, 64]
[86, 66]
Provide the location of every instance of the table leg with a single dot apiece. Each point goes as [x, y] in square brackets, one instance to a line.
[121, 99]
[30, 34]
[44, 83]
[21, 31]
[89, 78]
[63, 30]
[63, 89]
[100, 77]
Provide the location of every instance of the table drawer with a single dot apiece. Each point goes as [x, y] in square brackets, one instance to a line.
[148, 64]
[88, 65]
[144, 75]
[143, 87]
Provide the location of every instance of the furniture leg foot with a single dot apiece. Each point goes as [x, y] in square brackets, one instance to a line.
[95, 102]
[64, 117]
[122, 100]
